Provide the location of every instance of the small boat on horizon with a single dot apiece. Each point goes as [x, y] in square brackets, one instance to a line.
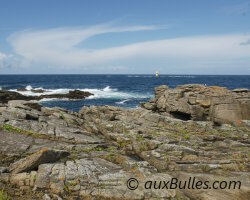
[156, 74]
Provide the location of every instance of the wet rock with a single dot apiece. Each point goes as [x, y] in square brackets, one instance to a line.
[6, 96]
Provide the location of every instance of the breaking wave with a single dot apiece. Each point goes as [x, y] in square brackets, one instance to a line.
[104, 93]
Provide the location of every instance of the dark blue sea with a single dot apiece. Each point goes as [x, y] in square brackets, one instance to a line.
[117, 90]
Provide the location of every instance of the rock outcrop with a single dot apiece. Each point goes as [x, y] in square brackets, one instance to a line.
[53, 153]
[6, 96]
[202, 103]
[33, 161]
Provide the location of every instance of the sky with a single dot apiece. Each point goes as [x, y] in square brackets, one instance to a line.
[125, 37]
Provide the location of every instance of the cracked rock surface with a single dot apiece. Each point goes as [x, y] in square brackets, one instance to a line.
[52, 153]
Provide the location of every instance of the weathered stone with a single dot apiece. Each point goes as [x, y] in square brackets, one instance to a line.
[199, 102]
[33, 161]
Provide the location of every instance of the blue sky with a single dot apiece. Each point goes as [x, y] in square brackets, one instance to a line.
[125, 36]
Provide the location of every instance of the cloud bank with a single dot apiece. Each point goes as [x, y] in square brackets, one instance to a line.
[60, 48]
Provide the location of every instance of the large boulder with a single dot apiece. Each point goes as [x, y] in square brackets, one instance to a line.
[202, 103]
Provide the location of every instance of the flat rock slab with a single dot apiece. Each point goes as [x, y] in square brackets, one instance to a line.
[12, 143]
[33, 161]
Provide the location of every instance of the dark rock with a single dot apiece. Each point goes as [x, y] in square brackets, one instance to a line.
[3, 170]
[38, 90]
[6, 96]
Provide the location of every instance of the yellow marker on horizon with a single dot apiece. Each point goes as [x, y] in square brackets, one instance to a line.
[156, 74]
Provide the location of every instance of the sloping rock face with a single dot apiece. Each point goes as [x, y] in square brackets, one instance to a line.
[33, 161]
[108, 145]
[202, 103]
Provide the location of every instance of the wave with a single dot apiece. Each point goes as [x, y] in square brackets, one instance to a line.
[123, 101]
[104, 93]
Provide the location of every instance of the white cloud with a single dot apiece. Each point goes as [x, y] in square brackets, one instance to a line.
[5, 60]
[2, 56]
[58, 48]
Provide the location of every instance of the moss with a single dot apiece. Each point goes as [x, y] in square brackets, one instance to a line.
[10, 128]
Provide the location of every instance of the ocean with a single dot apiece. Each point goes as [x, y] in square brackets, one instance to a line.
[116, 90]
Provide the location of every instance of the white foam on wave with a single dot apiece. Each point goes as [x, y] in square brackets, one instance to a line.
[105, 93]
[53, 99]
[29, 91]
[28, 87]
[123, 101]
[108, 92]
[1, 88]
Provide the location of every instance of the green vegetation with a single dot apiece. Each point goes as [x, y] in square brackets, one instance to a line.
[123, 143]
[117, 159]
[3, 195]
[86, 150]
[98, 148]
[205, 168]
[139, 137]
[10, 128]
[66, 189]
[34, 178]
[73, 183]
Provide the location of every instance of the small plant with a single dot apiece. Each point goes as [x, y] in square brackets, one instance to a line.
[3, 195]
[86, 150]
[98, 148]
[66, 188]
[126, 132]
[142, 147]
[73, 183]
[205, 168]
[34, 178]
[187, 137]
[139, 137]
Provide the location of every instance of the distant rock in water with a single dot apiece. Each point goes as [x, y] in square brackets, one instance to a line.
[6, 96]
[75, 94]
[202, 103]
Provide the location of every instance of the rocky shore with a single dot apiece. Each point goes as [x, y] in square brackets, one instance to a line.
[6, 95]
[190, 131]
